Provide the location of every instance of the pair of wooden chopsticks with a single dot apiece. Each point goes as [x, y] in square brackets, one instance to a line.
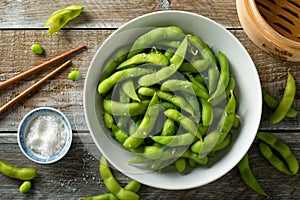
[40, 82]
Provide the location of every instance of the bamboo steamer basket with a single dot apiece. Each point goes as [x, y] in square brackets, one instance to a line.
[273, 25]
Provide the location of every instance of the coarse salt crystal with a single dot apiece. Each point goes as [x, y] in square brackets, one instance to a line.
[46, 135]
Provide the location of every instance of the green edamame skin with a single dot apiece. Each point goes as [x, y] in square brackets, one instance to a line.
[164, 73]
[248, 176]
[175, 140]
[112, 185]
[125, 109]
[154, 58]
[61, 17]
[266, 151]
[110, 66]
[17, 172]
[169, 128]
[184, 86]
[286, 101]
[280, 147]
[224, 76]
[25, 187]
[154, 35]
[180, 164]
[146, 126]
[273, 103]
[105, 85]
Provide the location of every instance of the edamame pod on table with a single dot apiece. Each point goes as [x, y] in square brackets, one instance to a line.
[60, 18]
[111, 183]
[272, 103]
[12, 171]
[287, 100]
[281, 148]
[278, 164]
[155, 35]
[248, 176]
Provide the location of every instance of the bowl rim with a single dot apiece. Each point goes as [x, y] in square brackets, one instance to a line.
[27, 119]
[122, 28]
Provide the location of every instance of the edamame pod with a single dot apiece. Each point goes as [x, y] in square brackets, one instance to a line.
[129, 90]
[125, 109]
[286, 101]
[17, 172]
[164, 73]
[248, 176]
[154, 35]
[273, 103]
[175, 140]
[280, 147]
[111, 183]
[266, 151]
[154, 58]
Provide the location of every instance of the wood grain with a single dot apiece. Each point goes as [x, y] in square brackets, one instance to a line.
[107, 13]
[76, 175]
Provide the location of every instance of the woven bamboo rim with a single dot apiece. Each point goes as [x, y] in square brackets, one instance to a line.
[268, 24]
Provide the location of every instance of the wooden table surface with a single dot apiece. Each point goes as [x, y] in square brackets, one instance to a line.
[76, 175]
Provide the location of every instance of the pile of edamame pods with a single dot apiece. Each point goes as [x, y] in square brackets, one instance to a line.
[169, 99]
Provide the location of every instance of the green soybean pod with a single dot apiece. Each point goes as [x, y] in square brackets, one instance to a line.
[183, 86]
[224, 76]
[225, 143]
[184, 121]
[151, 152]
[180, 164]
[111, 183]
[125, 109]
[273, 103]
[276, 162]
[108, 119]
[174, 140]
[154, 58]
[155, 35]
[282, 148]
[286, 101]
[169, 128]
[133, 186]
[119, 134]
[108, 83]
[111, 64]
[60, 18]
[129, 89]
[207, 112]
[146, 126]
[16, 172]
[248, 176]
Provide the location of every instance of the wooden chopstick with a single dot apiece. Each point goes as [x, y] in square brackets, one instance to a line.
[39, 67]
[34, 86]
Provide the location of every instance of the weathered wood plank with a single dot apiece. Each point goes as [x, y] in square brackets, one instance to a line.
[108, 13]
[77, 175]
[66, 95]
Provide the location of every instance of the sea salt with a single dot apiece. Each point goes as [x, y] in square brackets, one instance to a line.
[46, 135]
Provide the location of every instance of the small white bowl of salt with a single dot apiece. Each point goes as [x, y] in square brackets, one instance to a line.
[44, 135]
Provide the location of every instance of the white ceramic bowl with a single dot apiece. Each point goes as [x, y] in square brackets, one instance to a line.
[59, 118]
[248, 92]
